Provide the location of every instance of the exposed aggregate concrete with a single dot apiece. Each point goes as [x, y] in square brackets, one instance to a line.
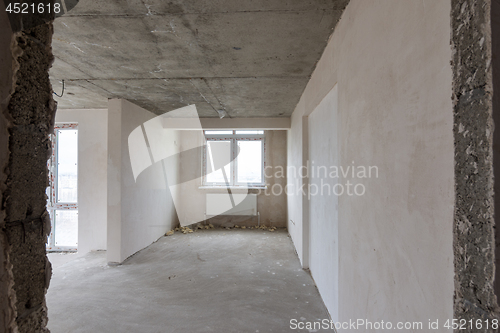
[31, 112]
[473, 132]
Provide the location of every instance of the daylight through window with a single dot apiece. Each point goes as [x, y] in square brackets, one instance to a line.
[234, 158]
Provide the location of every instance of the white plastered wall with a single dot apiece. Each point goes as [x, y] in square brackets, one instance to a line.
[390, 60]
[92, 175]
[324, 199]
[139, 210]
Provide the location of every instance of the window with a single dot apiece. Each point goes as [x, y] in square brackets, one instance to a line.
[234, 158]
[63, 190]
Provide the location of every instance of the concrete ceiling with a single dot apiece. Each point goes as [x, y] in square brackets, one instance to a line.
[249, 58]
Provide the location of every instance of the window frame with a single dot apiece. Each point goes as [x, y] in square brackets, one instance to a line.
[233, 139]
[53, 205]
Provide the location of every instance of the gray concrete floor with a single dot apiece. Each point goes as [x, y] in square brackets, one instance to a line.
[57, 259]
[208, 281]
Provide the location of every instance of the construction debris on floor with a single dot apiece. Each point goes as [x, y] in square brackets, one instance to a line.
[199, 226]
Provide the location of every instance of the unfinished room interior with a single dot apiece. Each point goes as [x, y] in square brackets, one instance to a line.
[249, 166]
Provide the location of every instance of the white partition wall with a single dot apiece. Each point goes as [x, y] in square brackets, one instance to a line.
[390, 63]
[324, 193]
[140, 207]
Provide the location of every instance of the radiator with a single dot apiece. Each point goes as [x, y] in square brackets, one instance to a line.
[221, 204]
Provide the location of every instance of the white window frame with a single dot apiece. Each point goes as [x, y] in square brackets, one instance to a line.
[233, 139]
[52, 204]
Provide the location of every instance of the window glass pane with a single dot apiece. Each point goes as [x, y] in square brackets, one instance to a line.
[219, 132]
[249, 132]
[66, 228]
[249, 162]
[218, 177]
[67, 167]
[218, 157]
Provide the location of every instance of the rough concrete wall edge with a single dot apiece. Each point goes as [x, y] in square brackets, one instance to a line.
[474, 297]
[6, 290]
